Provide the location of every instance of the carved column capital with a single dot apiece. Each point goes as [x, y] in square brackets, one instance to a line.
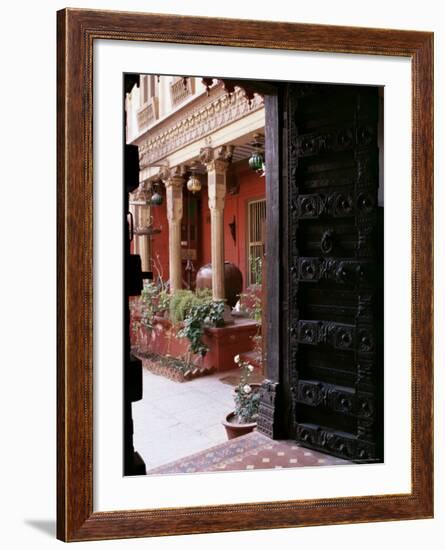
[172, 177]
[224, 152]
[164, 173]
[206, 155]
[217, 159]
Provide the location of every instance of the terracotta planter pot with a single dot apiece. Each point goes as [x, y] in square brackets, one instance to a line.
[234, 429]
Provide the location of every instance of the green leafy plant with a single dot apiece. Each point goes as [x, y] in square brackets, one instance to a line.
[163, 301]
[149, 303]
[154, 299]
[247, 397]
[202, 313]
[182, 301]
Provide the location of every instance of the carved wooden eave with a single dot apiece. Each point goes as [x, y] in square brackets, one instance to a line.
[195, 121]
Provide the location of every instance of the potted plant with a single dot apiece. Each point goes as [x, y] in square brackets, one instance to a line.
[247, 401]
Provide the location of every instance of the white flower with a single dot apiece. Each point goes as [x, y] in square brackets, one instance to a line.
[250, 368]
[237, 359]
[247, 388]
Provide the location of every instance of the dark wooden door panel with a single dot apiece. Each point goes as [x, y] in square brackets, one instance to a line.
[335, 315]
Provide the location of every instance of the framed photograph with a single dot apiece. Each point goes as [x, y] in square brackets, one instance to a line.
[245, 233]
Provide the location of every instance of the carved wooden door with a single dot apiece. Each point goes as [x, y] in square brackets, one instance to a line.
[334, 284]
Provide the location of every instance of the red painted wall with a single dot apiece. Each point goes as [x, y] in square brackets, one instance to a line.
[251, 187]
[159, 243]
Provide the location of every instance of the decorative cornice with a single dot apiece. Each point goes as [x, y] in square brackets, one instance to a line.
[217, 113]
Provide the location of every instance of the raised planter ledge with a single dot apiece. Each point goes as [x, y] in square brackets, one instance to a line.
[224, 342]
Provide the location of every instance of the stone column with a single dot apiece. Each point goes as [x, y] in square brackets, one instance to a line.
[139, 205]
[217, 161]
[132, 209]
[174, 180]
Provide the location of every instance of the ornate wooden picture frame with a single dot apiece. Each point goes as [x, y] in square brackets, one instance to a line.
[77, 31]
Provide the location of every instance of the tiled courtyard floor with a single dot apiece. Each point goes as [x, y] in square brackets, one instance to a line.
[177, 429]
[175, 419]
[253, 451]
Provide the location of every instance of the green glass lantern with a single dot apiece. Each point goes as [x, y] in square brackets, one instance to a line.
[256, 161]
[156, 199]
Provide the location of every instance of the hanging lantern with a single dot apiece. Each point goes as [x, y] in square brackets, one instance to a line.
[156, 198]
[194, 183]
[256, 160]
[140, 207]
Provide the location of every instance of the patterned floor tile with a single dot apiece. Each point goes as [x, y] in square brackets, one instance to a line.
[253, 451]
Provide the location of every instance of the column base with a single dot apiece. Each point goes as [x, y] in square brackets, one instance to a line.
[228, 318]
